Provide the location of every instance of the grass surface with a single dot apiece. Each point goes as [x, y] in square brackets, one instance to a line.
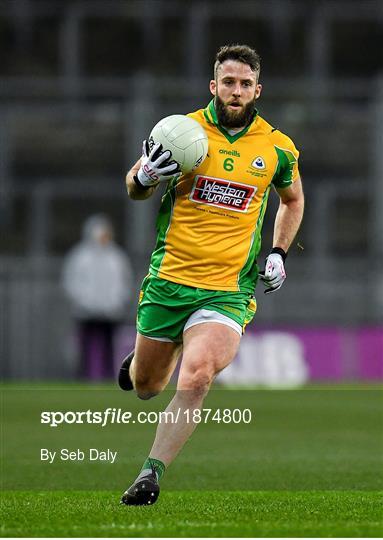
[309, 464]
[195, 513]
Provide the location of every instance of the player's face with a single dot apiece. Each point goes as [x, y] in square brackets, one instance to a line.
[235, 89]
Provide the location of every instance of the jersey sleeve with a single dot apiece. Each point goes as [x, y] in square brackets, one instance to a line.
[287, 168]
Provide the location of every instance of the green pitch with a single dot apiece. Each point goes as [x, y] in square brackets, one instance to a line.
[195, 513]
[309, 464]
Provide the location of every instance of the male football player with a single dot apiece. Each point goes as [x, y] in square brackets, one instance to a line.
[198, 294]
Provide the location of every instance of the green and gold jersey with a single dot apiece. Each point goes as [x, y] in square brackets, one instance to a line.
[210, 221]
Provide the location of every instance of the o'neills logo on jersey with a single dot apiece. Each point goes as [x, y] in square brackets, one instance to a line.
[222, 193]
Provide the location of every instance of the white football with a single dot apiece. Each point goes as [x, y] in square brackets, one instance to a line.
[184, 137]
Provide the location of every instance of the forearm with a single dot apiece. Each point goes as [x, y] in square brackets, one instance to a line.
[134, 191]
[287, 222]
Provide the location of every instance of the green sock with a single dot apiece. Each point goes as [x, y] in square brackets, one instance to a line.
[158, 466]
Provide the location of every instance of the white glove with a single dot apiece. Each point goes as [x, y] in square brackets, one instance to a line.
[156, 166]
[274, 274]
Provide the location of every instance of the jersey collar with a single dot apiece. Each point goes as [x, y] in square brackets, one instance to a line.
[211, 117]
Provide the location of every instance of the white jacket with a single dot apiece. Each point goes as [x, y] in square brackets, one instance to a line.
[98, 280]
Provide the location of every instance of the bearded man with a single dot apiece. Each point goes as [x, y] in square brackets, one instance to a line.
[198, 296]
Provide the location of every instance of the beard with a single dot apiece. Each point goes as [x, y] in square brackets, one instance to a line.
[234, 119]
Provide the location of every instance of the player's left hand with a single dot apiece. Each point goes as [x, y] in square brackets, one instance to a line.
[274, 273]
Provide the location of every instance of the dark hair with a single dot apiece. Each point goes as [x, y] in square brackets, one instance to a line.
[240, 53]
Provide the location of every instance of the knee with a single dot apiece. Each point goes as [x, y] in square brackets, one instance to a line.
[146, 388]
[198, 379]
[146, 394]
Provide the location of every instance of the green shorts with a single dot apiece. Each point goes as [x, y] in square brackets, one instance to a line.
[165, 308]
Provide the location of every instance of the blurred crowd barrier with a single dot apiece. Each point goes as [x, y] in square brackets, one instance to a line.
[289, 357]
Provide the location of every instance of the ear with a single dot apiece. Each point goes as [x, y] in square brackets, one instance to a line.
[213, 87]
[258, 91]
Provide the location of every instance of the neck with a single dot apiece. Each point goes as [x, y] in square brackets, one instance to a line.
[234, 130]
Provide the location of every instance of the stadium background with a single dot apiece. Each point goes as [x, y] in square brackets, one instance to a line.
[82, 83]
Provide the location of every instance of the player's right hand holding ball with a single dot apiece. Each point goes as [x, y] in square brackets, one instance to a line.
[274, 273]
[156, 166]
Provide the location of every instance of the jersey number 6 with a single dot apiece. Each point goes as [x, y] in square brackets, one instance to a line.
[228, 164]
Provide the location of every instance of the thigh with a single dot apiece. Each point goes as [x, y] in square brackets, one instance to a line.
[209, 347]
[164, 308]
[155, 360]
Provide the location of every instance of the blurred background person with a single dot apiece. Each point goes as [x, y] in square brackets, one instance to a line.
[97, 278]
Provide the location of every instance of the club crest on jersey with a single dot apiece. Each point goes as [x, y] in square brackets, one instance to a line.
[258, 163]
[222, 193]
